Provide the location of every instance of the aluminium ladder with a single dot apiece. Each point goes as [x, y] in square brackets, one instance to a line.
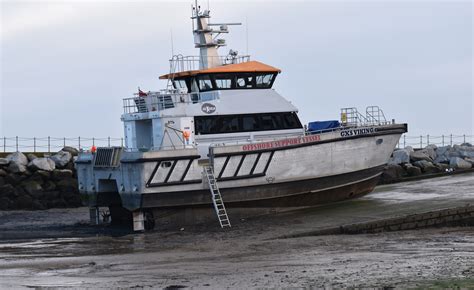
[217, 198]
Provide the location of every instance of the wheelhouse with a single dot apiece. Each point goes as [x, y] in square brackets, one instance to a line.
[248, 75]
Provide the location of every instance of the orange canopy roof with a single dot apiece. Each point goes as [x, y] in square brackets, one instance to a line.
[245, 67]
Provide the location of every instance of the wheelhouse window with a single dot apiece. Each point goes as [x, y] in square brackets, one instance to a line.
[264, 81]
[205, 83]
[180, 84]
[246, 123]
[223, 81]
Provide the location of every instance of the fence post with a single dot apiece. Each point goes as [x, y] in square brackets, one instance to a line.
[4, 144]
[108, 140]
[421, 141]
[79, 140]
[442, 137]
[64, 142]
[16, 141]
[427, 139]
[49, 144]
[451, 139]
[93, 141]
[464, 136]
[34, 144]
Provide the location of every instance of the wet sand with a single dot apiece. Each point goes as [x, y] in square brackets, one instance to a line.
[57, 248]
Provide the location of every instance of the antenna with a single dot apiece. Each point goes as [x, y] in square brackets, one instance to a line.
[246, 35]
[172, 44]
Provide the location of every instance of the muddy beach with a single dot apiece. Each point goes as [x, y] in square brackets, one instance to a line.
[56, 248]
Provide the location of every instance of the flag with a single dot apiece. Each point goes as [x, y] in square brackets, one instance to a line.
[141, 93]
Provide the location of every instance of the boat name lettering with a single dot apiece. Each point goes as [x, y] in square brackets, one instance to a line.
[356, 132]
[281, 143]
[208, 108]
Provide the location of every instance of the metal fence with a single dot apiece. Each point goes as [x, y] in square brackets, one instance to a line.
[54, 144]
[422, 141]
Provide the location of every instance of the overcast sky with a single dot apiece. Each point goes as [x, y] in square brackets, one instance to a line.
[65, 66]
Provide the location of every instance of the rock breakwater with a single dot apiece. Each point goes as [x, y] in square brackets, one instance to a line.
[432, 159]
[32, 182]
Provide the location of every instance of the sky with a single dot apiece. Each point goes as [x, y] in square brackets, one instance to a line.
[67, 65]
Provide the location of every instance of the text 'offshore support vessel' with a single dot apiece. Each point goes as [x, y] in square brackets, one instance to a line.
[220, 143]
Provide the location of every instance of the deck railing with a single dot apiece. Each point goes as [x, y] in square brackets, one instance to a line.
[181, 63]
[157, 101]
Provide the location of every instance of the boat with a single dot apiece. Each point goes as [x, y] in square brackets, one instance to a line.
[219, 144]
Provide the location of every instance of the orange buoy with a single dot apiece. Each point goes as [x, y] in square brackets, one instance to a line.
[93, 149]
[186, 135]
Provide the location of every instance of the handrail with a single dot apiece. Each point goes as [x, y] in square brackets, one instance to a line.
[180, 63]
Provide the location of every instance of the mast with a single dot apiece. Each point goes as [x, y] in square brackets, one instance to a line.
[204, 38]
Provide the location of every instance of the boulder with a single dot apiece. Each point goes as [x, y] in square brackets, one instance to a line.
[401, 156]
[425, 166]
[15, 167]
[8, 190]
[465, 151]
[72, 150]
[49, 186]
[430, 150]
[441, 159]
[18, 158]
[41, 175]
[413, 170]
[45, 164]
[409, 149]
[24, 202]
[59, 174]
[4, 161]
[467, 144]
[68, 185]
[392, 173]
[420, 155]
[456, 162]
[62, 158]
[3, 172]
[31, 157]
[14, 179]
[442, 167]
[470, 160]
[32, 187]
[442, 150]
